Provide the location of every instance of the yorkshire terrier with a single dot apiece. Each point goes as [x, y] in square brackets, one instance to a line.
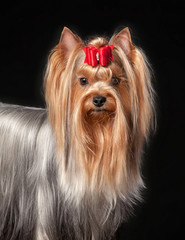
[72, 171]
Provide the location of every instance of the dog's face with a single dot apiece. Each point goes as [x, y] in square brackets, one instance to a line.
[102, 91]
[97, 90]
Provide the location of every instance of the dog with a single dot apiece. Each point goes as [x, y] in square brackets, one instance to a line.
[72, 171]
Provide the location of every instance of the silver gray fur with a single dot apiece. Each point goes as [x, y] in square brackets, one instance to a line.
[32, 207]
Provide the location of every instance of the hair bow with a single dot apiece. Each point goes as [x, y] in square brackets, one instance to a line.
[95, 56]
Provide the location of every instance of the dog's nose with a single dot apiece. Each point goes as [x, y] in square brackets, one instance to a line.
[99, 101]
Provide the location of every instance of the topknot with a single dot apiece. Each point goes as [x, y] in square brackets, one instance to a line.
[98, 42]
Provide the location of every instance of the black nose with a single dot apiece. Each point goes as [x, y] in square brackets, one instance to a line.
[99, 101]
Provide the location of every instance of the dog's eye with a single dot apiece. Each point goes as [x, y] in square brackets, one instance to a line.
[115, 81]
[83, 81]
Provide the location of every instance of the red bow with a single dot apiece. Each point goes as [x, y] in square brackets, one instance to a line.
[102, 55]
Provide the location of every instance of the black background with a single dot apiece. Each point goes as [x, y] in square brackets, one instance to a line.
[30, 30]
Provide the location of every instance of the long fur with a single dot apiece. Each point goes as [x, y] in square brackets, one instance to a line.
[68, 172]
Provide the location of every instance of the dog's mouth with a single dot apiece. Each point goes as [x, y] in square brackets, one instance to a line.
[100, 110]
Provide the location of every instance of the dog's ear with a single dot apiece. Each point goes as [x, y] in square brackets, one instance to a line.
[123, 40]
[68, 41]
